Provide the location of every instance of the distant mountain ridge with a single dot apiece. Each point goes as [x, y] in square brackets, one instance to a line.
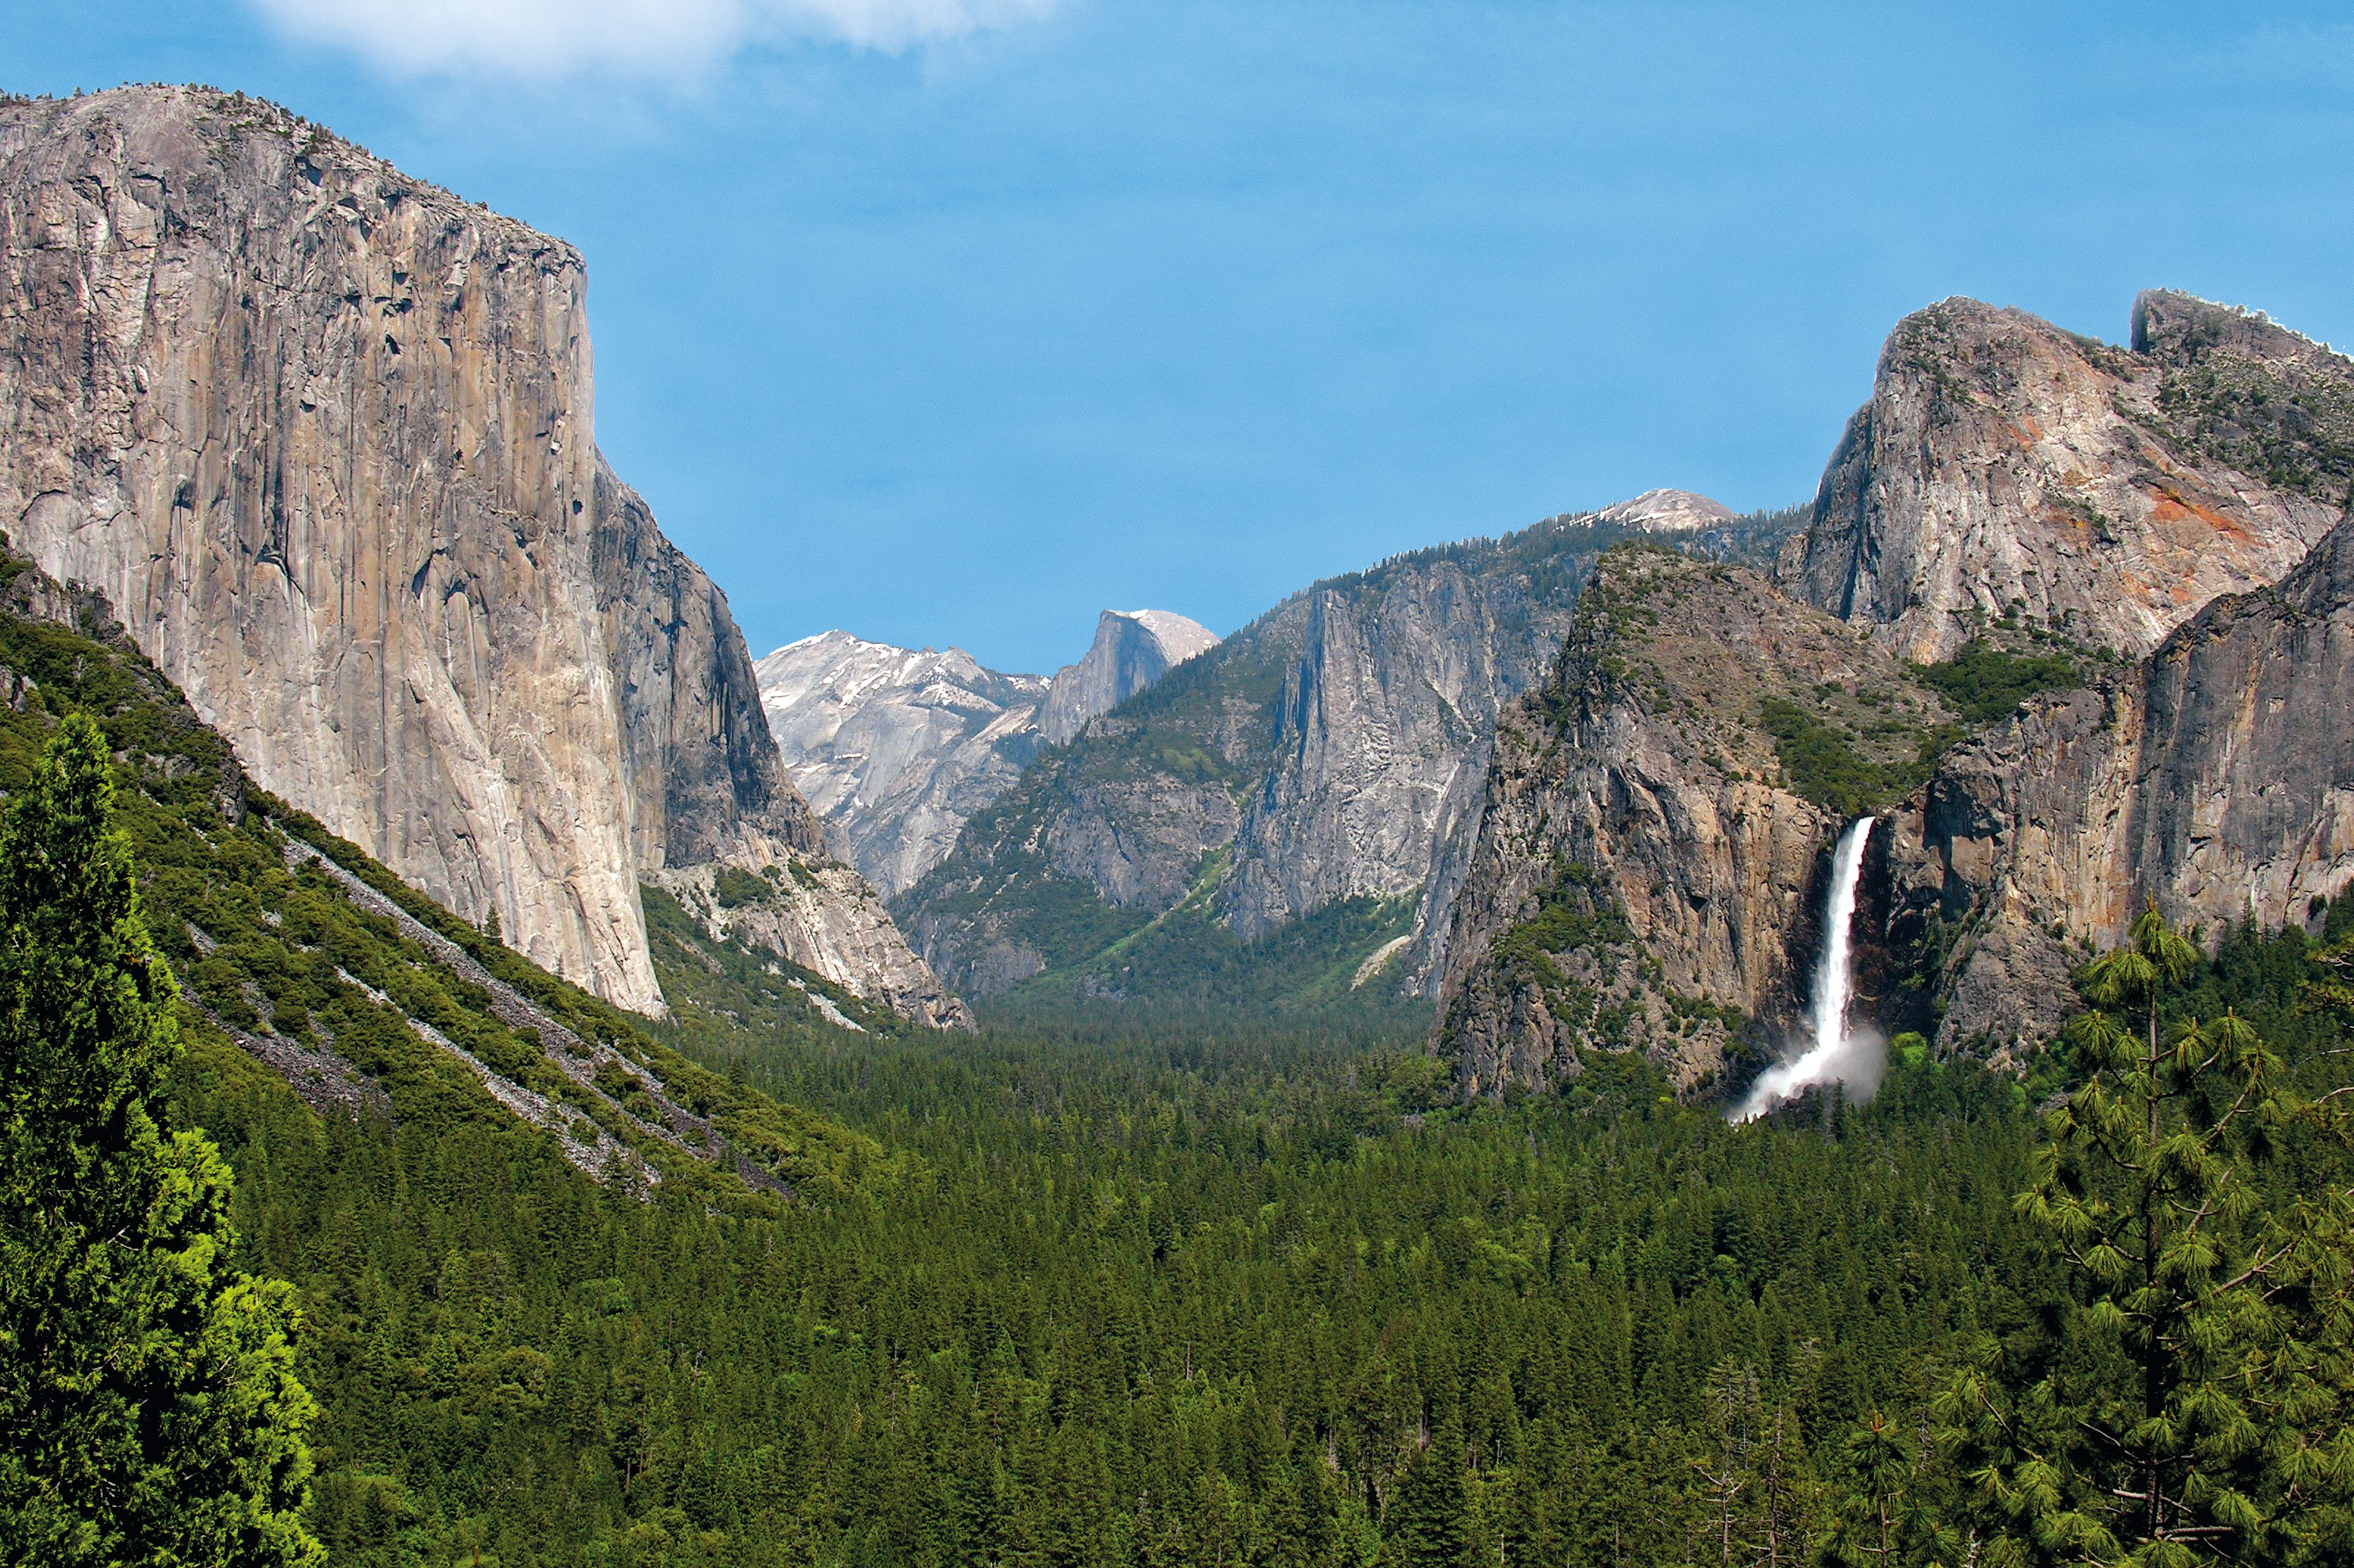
[1667, 511]
[895, 747]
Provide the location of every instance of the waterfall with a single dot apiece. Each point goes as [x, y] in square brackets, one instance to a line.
[1835, 1056]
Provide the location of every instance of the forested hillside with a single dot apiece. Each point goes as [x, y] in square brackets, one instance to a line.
[334, 1229]
[368, 999]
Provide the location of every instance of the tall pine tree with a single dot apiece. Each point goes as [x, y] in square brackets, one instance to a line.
[1428, 1525]
[149, 1413]
[2175, 1416]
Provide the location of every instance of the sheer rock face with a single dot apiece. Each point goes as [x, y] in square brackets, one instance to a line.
[896, 748]
[2004, 467]
[324, 434]
[1391, 698]
[1303, 761]
[2217, 778]
[1132, 649]
[1639, 786]
[706, 782]
[2137, 500]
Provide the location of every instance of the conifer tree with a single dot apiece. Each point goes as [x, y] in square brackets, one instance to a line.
[149, 1413]
[2169, 1419]
[1427, 1527]
[1888, 1513]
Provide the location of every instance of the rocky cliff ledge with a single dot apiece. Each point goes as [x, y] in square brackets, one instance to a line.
[2217, 778]
[324, 435]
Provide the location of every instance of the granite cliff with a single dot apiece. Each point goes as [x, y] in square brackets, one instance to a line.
[374, 1005]
[2005, 469]
[1655, 821]
[2215, 777]
[323, 436]
[893, 747]
[1132, 649]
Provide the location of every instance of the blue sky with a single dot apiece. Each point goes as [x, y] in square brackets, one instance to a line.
[957, 320]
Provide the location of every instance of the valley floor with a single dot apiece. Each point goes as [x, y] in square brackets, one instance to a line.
[1213, 1300]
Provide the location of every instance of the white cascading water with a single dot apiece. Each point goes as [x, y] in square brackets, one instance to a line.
[1836, 1057]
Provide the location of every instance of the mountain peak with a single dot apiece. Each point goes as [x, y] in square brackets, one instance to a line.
[2180, 330]
[1667, 511]
[2007, 471]
[1133, 648]
[1180, 637]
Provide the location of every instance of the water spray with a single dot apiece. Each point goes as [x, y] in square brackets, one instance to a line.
[1836, 1056]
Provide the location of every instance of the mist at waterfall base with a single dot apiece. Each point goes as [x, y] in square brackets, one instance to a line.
[1855, 1060]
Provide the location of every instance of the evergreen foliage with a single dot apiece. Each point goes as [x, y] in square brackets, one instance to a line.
[1985, 682]
[1186, 969]
[1824, 764]
[149, 1410]
[1203, 1293]
[2191, 1402]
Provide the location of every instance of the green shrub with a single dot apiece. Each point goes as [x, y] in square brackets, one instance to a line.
[1983, 683]
[734, 887]
[1823, 765]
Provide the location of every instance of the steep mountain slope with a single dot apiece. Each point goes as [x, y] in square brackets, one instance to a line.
[370, 1001]
[896, 749]
[1633, 863]
[2005, 468]
[325, 435]
[1325, 758]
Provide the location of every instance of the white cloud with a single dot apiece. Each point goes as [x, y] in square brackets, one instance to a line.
[547, 38]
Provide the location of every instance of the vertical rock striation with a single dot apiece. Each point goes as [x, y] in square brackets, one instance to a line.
[1644, 871]
[707, 782]
[324, 436]
[1391, 699]
[1327, 757]
[2217, 778]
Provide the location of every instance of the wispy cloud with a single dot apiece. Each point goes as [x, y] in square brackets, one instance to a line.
[544, 40]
